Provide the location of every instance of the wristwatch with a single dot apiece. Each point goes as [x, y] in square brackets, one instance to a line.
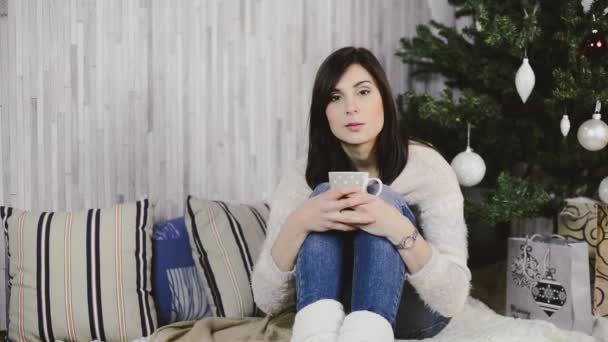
[408, 241]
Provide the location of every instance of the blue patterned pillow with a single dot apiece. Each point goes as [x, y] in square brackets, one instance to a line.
[178, 292]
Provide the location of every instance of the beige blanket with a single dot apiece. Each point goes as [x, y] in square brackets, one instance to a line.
[476, 323]
[251, 329]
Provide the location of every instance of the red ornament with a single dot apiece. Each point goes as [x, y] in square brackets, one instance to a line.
[594, 46]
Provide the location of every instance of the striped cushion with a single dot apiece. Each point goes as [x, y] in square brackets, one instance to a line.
[80, 275]
[226, 239]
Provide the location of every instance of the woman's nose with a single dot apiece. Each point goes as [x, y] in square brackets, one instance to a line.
[351, 106]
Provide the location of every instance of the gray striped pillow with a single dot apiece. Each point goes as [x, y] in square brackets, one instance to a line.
[81, 275]
[226, 239]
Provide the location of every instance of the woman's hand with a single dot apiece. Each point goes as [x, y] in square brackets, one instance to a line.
[388, 220]
[326, 212]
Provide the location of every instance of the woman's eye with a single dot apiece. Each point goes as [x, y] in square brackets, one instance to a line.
[364, 92]
[334, 98]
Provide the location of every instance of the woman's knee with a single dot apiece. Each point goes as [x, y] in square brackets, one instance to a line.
[318, 243]
[374, 244]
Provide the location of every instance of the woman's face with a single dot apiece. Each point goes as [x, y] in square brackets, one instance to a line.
[355, 111]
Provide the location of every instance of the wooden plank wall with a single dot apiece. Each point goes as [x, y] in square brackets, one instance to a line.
[109, 101]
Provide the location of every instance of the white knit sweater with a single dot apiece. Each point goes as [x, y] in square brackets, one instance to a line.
[428, 182]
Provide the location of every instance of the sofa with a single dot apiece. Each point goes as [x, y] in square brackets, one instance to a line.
[112, 274]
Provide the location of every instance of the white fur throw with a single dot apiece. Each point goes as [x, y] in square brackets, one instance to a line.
[478, 323]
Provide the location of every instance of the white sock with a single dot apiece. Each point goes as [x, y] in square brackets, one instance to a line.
[366, 326]
[318, 322]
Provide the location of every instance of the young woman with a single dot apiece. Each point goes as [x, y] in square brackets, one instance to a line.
[331, 251]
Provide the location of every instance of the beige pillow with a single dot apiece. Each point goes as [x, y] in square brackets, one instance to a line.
[81, 275]
[226, 239]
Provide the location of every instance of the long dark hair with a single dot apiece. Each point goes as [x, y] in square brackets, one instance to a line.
[324, 150]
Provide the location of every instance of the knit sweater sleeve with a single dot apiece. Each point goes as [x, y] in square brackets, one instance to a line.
[444, 282]
[273, 289]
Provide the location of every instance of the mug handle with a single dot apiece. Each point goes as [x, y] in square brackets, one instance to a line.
[379, 185]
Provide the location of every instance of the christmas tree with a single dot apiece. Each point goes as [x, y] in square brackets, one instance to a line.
[530, 166]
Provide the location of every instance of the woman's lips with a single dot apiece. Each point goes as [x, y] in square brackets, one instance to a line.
[355, 127]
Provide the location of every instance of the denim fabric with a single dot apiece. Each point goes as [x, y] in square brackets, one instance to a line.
[364, 272]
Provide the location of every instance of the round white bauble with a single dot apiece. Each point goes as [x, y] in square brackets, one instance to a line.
[593, 133]
[603, 190]
[469, 167]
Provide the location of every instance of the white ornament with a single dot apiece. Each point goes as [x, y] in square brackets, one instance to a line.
[524, 80]
[468, 166]
[478, 26]
[593, 133]
[564, 125]
[603, 190]
[586, 5]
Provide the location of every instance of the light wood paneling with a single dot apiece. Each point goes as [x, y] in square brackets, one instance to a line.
[109, 101]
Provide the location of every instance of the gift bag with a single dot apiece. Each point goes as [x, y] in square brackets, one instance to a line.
[600, 290]
[578, 220]
[548, 279]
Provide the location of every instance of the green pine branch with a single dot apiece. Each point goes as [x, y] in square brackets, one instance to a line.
[513, 198]
[479, 64]
[469, 108]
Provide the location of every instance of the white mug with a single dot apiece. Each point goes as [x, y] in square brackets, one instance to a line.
[340, 179]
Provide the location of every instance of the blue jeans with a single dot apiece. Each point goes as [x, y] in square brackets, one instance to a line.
[378, 284]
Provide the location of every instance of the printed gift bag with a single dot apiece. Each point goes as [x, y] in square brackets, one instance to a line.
[578, 220]
[548, 279]
[600, 290]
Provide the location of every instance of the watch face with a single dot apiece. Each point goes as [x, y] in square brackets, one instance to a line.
[409, 241]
